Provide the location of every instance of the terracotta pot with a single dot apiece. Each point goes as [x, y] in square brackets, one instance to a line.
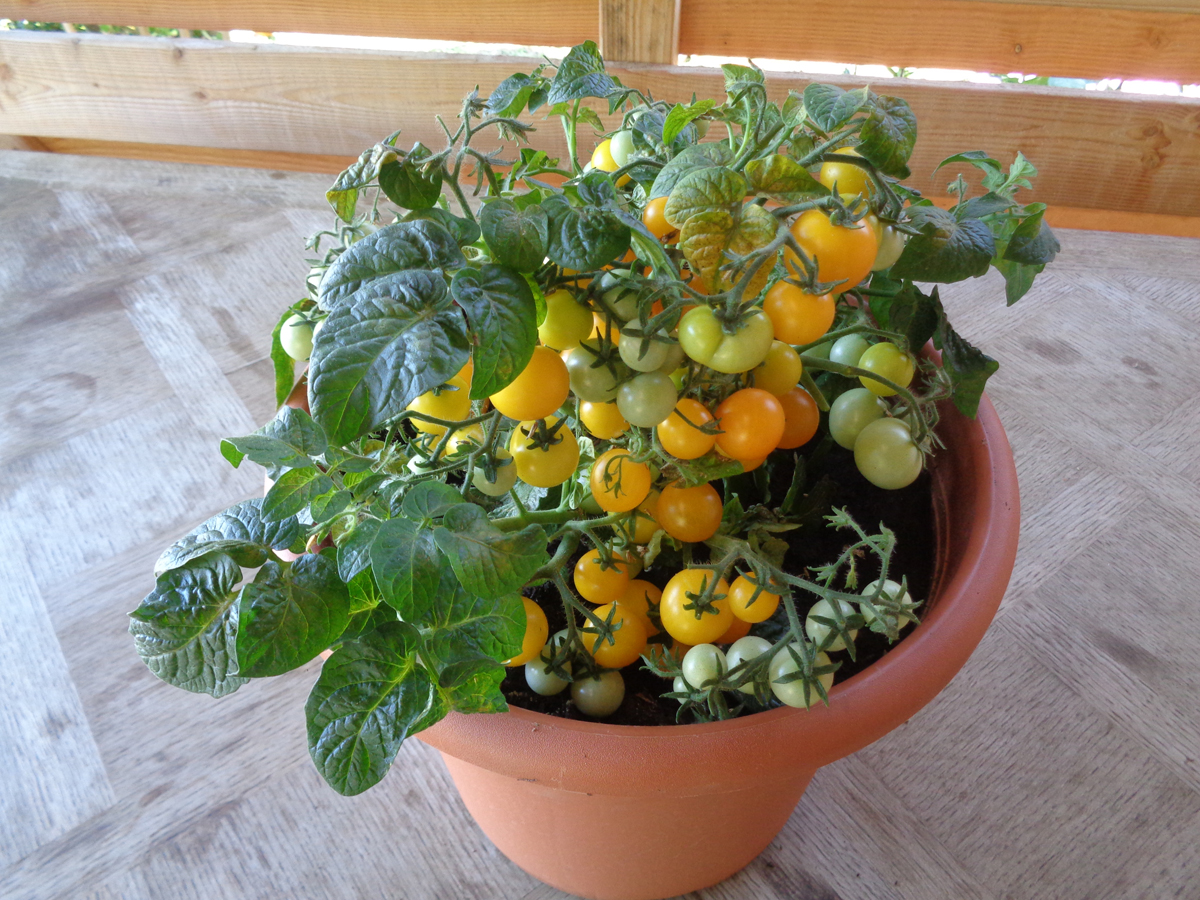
[618, 812]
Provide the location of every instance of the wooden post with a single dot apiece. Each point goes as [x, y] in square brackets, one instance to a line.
[645, 31]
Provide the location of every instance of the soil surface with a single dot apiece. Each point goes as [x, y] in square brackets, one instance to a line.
[832, 481]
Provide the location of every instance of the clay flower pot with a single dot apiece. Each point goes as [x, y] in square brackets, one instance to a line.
[550, 791]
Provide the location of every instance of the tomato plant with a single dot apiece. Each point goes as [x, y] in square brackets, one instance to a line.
[798, 317]
[567, 321]
[618, 482]
[888, 361]
[540, 389]
[601, 581]
[544, 463]
[690, 612]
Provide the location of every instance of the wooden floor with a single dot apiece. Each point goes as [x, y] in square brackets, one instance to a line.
[1062, 764]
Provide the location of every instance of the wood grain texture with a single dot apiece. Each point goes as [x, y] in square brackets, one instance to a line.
[1063, 762]
[1094, 151]
[552, 23]
[644, 31]
[953, 34]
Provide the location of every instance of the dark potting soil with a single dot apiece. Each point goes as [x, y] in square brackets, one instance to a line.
[832, 480]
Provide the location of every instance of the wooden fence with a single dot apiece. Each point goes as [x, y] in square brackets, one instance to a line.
[1132, 160]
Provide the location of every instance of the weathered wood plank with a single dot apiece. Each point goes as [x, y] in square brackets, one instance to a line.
[552, 23]
[1102, 152]
[640, 31]
[953, 34]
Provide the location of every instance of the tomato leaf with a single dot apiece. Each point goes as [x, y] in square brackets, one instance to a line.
[464, 231]
[1018, 278]
[711, 239]
[185, 630]
[946, 250]
[399, 336]
[1033, 243]
[371, 695]
[909, 312]
[888, 136]
[287, 616]
[288, 441]
[283, 366]
[681, 116]
[518, 238]
[422, 244]
[295, 489]
[987, 205]
[239, 531]
[489, 562]
[343, 196]
[430, 500]
[703, 190]
[707, 468]
[830, 107]
[584, 238]
[781, 176]
[697, 156]
[406, 565]
[969, 368]
[410, 184]
[511, 95]
[354, 551]
[581, 74]
[502, 318]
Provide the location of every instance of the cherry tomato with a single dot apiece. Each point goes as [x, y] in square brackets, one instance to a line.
[798, 318]
[621, 147]
[543, 681]
[843, 254]
[792, 692]
[743, 650]
[705, 341]
[618, 482]
[603, 420]
[655, 356]
[736, 631]
[544, 467]
[540, 389]
[752, 423]
[467, 371]
[590, 378]
[536, 630]
[506, 475]
[848, 349]
[892, 590]
[694, 626]
[451, 402]
[801, 418]
[886, 455]
[567, 321]
[605, 330]
[689, 514]
[680, 434]
[758, 609]
[703, 666]
[848, 178]
[639, 598]
[655, 219]
[891, 245]
[851, 412]
[780, 371]
[597, 583]
[889, 361]
[643, 524]
[627, 642]
[602, 157]
[826, 637]
[296, 337]
[599, 696]
[647, 398]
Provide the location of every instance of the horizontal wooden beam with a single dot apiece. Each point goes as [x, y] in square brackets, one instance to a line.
[954, 34]
[1103, 151]
[547, 23]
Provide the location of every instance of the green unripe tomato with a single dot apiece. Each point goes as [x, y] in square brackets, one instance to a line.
[296, 337]
[596, 383]
[888, 361]
[600, 696]
[886, 455]
[704, 665]
[819, 632]
[705, 341]
[630, 347]
[679, 686]
[851, 412]
[792, 693]
[621, 302]
[743, 649]
[647, 399]
[848, 350]
[821, 351]
[541, 680]
[892, 590]
[674, 359]
[891, 245]
[621, 148]
[506, 476]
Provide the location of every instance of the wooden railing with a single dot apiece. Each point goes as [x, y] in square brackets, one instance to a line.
[308, 108]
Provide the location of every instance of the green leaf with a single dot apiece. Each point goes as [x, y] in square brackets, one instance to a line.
[711, 239]
[1033, 243]
[1018, 278]
[697, 156]
[464, 231]
[502, 318]
[430, 500]
[489, 562]
[681, 116]
[511, 95]
[584, 238]
[397, 338]
[708, 468]
[365, 596]
[782, 176]
[289, 441]
[406, 565]
[283, 365]
[371, 695]
[968, 367]
[409, 184]
[517, 237]
[343, 196]
[738, 78]
[581, 74]
[185, 630]
[978, 158]
[704, 190]
[286, 617]
[888, 136]
[909, 312]
[327, 507]
[422, 244]
[946, 250]
[239, 531]
[295, 489]
[354, 551]
[978, 207]
[830, 107]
